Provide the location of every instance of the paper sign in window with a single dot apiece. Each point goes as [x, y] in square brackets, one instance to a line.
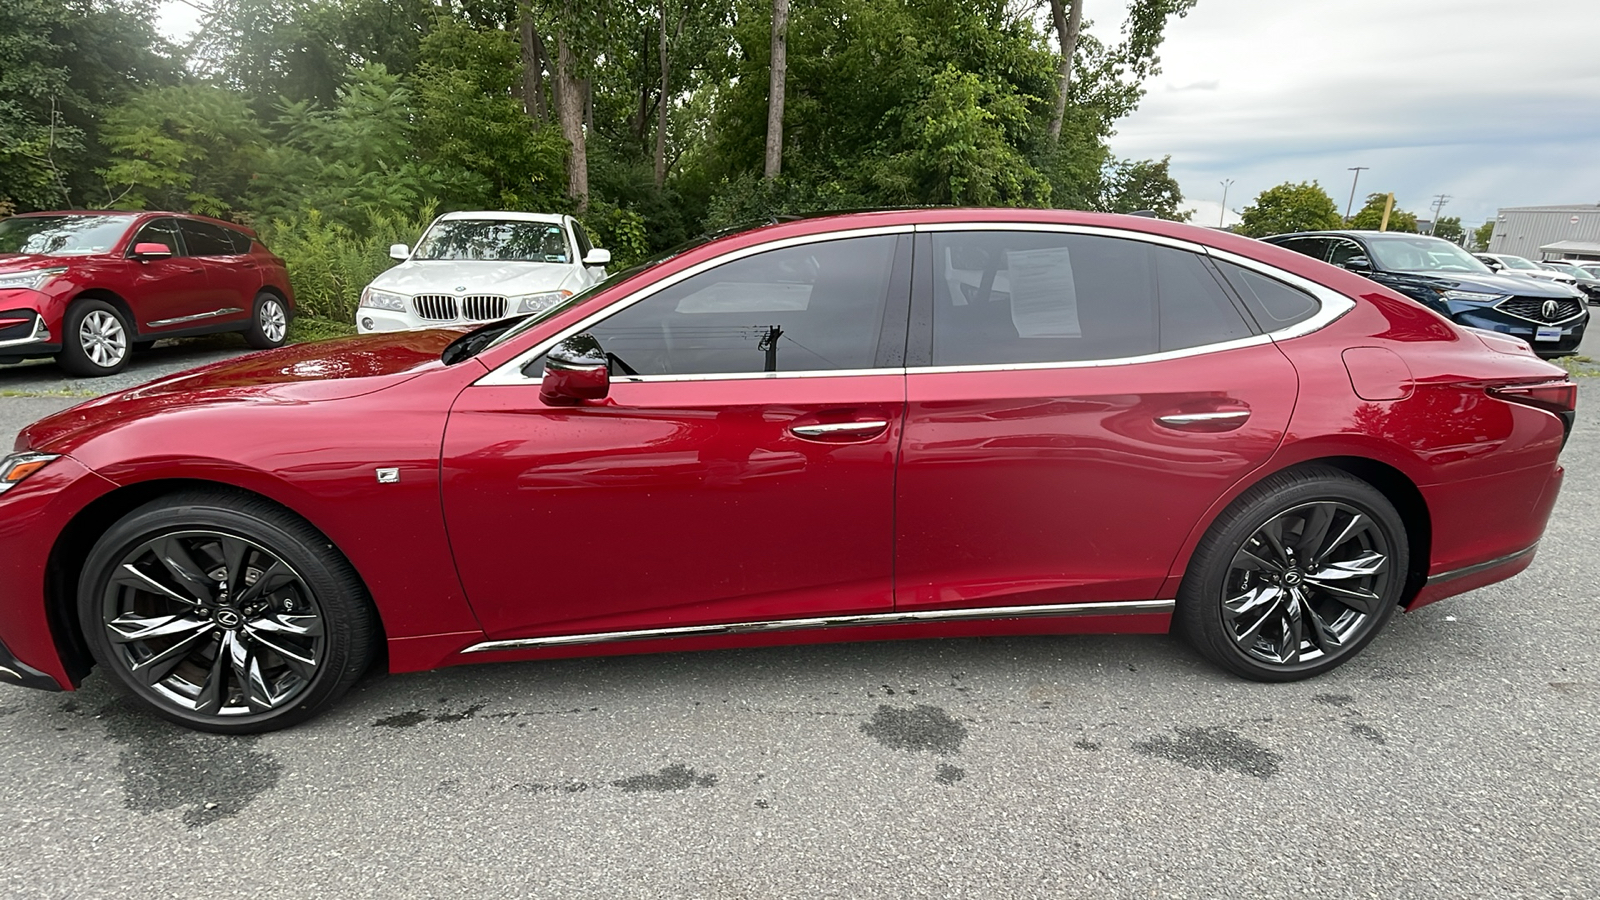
[745, 297]
[1044, 298]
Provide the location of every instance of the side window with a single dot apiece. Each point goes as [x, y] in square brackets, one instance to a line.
[1274, 304]
[1024, 297]
[1316, 248]
[161, 231]
[241, 241]
[811, 307]
[1344, 251]
[205, 239]
[583, 240]
[1195, 310]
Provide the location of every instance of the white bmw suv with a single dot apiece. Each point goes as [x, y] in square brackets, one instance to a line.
[480, 267]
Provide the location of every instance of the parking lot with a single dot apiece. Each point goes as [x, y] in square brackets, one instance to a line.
[1456, 757]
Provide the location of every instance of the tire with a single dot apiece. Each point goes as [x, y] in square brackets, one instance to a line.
[269, 322]
[239, 616]
[1265, 599]
[96, 340]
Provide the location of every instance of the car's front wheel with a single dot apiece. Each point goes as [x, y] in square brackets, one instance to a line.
[225, 612]
[269, 322]
[1295, 577]
[96, 339]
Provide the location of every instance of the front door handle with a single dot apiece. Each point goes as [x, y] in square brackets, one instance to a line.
[1211, 420]
[836, 431]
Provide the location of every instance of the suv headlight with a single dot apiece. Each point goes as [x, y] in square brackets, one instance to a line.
[17, 466]
[1471, 296]
[532, 303]
[371, 299]
[30, 280]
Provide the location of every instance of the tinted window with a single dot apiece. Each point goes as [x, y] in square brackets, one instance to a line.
[582, 238]
[1345, 250]
[161, 231]
[815, 306]
[1274, 304]
[205, 239]
[1316, 248]
[510, 239]
[241, 241]
[1195, 309]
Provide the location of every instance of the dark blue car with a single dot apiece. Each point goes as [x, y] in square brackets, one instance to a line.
[1445, 278]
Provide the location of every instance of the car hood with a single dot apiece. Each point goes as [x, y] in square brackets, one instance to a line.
[1488, 284]
[300, 373]
[453, 276]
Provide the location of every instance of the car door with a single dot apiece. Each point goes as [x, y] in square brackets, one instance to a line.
[232, 277]
[741, 468]
[1075, 404]
[164, 292]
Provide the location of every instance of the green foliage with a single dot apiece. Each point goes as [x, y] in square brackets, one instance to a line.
[1449, 228]
[191, 146]
[305, 329]
[1289, 208]
[619, 230]
[1143, 185]
[1481, 236]
[329, 263]
[1371, 216]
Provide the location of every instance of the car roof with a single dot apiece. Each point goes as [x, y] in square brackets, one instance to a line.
[137, 213]
[1368, 233]
[547, 218]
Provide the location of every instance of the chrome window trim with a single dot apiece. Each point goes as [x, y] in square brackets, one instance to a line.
[999, 613]
[1333, 305]
[510, 373]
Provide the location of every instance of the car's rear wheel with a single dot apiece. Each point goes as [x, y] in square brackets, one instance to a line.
[269, 322]
[225, 613]
[96, 340]
[1298, 575]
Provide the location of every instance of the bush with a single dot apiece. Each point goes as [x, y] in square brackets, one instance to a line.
[329, 263]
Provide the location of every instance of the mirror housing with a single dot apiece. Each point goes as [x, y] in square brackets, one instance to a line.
[400, 252]
[1495, 266]
[1357, 264]
[597, 257]
[152, 250]
[575, 370]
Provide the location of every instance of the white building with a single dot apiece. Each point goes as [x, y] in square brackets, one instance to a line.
[1548, 232]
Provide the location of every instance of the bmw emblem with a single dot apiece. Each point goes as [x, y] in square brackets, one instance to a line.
[461, 289]
[1551, 309]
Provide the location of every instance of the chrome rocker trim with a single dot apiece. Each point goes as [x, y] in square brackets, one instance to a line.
[161, 323]
[1464, 571]
[1062, 610]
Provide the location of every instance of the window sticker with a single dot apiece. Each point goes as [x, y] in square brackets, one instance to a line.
[1044, 297]
[745, 297]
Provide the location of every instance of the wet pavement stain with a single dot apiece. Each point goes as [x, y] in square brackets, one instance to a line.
[1339, 700]
[919, 728]
[561, 787]
[211, 777]
[1086, 745]
[414, 717]
[1368, 732]
[948, 774]
[403, 720]
[1214, 749]
[676, 777]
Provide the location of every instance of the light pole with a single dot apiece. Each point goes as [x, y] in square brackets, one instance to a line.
[1351, 202]
[1225, 185]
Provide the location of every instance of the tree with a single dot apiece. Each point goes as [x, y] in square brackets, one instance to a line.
[1068, 25]
[778, 73]
[1481, 236]
[187, 147]
[1449, 228]
[1371, 216]
[1143, 185]
[1289, 208]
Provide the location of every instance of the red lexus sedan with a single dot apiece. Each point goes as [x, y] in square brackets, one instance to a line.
[882, 425]
[90, 287]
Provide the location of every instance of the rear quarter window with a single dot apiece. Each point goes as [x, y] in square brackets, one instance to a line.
[1274, 304]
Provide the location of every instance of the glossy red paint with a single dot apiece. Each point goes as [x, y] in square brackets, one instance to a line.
[692, 502]
[159, 296]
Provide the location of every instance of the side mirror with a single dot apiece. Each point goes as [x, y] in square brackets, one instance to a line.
[152, 250]
[1494, 266]
[575, 370]
[597, 257]
[399, 251]
[1357, 264]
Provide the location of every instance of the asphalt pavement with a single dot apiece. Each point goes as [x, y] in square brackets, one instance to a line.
[1455, 758]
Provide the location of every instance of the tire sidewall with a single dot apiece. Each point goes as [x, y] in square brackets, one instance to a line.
[1200, 597]
[344, 653]
[73, 358]
[255, 335]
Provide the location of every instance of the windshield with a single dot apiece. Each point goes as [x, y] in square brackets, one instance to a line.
[61, 235]
[495, 239]
[1423, 254]
[1517, 262]
[1566, 269]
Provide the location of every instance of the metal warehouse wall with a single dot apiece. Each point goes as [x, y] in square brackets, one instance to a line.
[1521, 231]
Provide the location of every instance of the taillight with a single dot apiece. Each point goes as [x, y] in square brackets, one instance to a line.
[1555, 396]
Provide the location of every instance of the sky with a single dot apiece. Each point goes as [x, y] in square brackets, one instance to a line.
[1490, 102]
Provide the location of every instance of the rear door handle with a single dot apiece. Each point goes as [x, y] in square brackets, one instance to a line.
[1211, 420]
[840, 431]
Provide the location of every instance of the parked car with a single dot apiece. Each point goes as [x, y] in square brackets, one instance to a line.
[474, 267]
[90, 287]
[1441, 276]
[1587, 280]
[1516, 265]
[904, 424]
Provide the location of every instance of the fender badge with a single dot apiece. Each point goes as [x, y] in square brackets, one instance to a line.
[388, 476]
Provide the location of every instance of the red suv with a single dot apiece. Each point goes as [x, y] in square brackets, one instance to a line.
[88, 287]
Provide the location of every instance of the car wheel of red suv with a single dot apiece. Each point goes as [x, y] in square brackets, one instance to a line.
[269, 323]
[1298, 575]
[96, 339]
[225, 613]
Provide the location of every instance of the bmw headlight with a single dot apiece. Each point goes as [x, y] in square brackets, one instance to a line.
[371, 299]
[31, 280]
[1471, 296]
[534, 303]
[18, 466]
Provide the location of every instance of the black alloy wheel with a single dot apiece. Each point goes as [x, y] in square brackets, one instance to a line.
[1298, 575]
[225, 613]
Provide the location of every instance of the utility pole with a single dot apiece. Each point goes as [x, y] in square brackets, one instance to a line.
[1351, 202]
[1388, 207]
[1438, 208]
[1225, 185]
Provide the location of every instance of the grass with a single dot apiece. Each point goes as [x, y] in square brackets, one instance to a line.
[305, 329]
[51, 392]
[1581, 366]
